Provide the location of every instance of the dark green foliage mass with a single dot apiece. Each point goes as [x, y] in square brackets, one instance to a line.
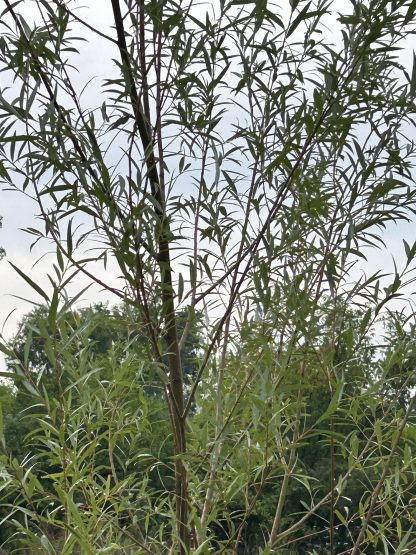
[112, 335]
[117, 380]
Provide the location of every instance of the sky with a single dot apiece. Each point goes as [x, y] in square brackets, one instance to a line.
[19, 212]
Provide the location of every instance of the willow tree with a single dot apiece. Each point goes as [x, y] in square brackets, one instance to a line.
[239, 159]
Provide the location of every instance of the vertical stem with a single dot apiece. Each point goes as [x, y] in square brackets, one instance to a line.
[162, 229]
[283, 491]
[332, 507]
[289, 469]
[218, 425]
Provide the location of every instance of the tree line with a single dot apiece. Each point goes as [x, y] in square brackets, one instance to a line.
[91, 378]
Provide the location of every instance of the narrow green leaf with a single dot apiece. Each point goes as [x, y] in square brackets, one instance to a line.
[28, 280]
[180, 287]
[69, 242]
[334, 404]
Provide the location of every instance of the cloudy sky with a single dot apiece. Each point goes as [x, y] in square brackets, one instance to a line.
[19, 212]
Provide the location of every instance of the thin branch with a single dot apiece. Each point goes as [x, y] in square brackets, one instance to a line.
[83, 22]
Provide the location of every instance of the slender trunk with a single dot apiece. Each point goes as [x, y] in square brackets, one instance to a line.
[289, 470]
[282, 499]
[175, 389]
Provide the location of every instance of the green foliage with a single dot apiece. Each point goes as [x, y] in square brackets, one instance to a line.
[86, 425]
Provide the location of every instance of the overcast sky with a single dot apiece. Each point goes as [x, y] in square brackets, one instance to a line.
[19, 212]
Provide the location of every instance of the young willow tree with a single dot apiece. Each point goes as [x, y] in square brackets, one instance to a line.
[239, 159]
